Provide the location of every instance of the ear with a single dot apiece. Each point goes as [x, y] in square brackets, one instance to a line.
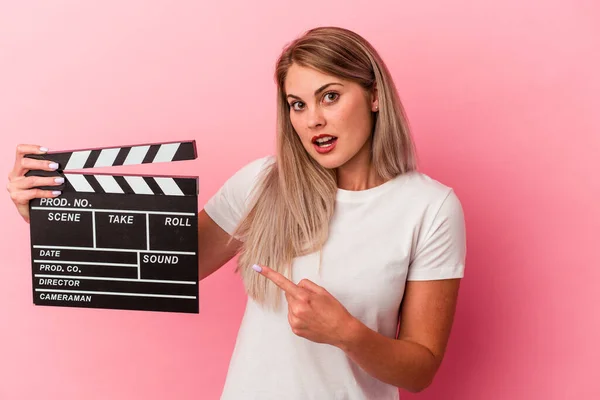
[374, 98]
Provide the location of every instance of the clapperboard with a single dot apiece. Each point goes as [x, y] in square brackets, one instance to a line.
[117, 241]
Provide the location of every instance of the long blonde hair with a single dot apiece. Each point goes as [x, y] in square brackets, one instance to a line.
[293, 200]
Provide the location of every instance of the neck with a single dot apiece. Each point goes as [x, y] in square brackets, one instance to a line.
[359, 173]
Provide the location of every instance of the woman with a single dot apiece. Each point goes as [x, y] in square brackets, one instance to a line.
[340, 240]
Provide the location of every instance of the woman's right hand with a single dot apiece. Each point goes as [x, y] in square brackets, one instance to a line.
[21, 187]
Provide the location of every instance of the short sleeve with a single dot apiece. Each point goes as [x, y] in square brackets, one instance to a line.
[229, 204]
[442, 253]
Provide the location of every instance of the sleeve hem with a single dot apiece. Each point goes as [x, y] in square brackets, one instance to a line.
[223, 222]
[446, 273]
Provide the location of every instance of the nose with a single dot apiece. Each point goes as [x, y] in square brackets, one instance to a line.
[315, 118]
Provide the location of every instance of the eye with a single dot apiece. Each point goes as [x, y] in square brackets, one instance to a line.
[330, 97]
[297, 106]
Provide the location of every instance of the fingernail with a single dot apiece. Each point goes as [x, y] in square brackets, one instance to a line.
[59, 180]
[53, 165]
[56, 192]
[43, 149]
[257, 268]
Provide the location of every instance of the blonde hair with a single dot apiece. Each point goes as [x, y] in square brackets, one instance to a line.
[293, 200]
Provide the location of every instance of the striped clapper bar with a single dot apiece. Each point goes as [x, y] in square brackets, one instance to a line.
[117, 241]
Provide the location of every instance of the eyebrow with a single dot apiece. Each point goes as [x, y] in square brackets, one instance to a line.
[319, 90]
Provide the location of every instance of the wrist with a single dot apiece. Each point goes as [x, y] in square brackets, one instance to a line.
[352, 334]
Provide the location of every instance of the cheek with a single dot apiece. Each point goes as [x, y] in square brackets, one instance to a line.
[296, 121]
[358, 120]
[350, 120]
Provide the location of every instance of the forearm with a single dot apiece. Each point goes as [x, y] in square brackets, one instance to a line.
[401, 363]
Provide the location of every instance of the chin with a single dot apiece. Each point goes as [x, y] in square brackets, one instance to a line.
[335, 159]
[328, 165]
[329, 161]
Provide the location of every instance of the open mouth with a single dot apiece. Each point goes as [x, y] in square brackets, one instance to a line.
[324, 141]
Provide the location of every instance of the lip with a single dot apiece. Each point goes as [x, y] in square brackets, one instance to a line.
[324, 150]
[321, 136]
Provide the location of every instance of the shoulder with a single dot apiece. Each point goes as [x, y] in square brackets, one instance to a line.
[248, 173]
[255, 166]
[429, 194]
[237, 186]
[227, 206]
[421, 184]
[438, 246]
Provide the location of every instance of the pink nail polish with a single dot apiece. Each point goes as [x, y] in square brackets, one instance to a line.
[257, 268]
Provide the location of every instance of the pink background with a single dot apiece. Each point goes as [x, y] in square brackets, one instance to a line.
[503, 100]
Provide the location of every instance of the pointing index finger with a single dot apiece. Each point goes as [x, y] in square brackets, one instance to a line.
[284, 283]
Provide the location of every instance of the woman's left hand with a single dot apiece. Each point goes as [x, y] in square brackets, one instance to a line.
[313, 313]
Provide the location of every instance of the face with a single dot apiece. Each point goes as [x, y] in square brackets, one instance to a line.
[332, 116]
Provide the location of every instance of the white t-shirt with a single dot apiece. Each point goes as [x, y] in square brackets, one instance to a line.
[409, 228]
